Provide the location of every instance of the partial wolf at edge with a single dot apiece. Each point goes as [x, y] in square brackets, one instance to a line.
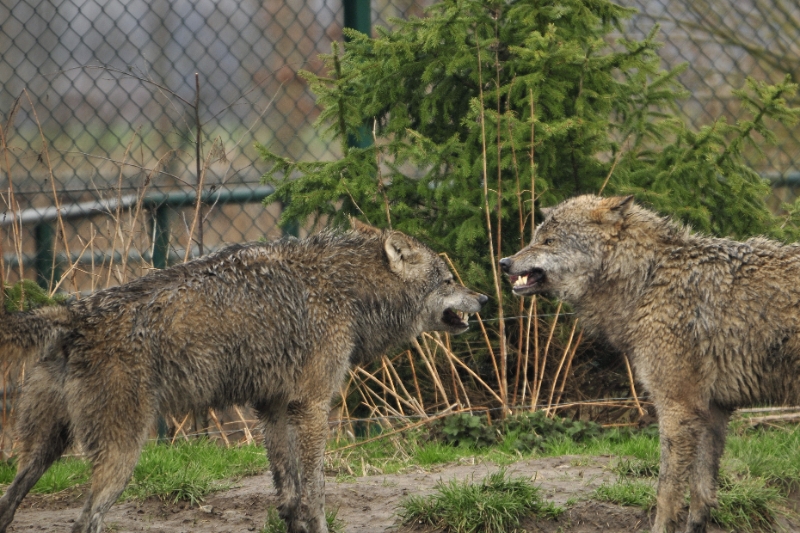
[273, 325]
[710, 324]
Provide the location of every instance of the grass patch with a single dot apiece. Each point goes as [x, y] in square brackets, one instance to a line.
[747, 504]
[275, 523]
[495, 505]
[190, 470]
[185, 471]
[636, 493]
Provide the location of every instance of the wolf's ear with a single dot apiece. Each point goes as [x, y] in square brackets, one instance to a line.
[360, 227]
[612, 209]
[400, 251]
[545, 211]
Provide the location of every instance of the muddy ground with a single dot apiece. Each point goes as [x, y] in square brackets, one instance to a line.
[366, 504]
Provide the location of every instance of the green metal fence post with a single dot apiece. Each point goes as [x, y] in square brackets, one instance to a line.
[161, 260]
[44, 263]
[358, 16]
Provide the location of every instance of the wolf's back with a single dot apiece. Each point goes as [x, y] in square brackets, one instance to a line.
[27, 336]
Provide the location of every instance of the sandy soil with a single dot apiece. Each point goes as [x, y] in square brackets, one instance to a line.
[366, 504]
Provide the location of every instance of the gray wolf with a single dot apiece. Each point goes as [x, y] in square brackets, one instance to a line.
[275, 325]
[710, 324]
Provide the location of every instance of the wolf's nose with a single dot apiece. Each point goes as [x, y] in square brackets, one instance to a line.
[505, 264]
[482, 299]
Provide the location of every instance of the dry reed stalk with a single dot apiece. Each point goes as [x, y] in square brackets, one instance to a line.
[197, 207]
[391, 384]
[633, 386]
[13, 206]
[213, 416]
[416, 382]
[488, 342]
[560, 366]
[475, 376]
[46, 153]
[447, 412]
[118, 214]
[247, 435]
[456, 377]
[531, 316]
[431, 370]
[134, 217]
[385, 389]
[767, 409]
[346, 411]
[535, 396]
[495, 276]
[393, 370]
[569, 366]
[70, 270]
[179, 428]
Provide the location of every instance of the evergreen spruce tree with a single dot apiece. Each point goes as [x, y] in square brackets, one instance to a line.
[487, 106]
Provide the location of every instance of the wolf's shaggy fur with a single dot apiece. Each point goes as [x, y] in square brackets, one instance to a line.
[273, 325]
[710, 324]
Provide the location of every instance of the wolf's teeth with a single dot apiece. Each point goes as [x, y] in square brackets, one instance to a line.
[522, 280]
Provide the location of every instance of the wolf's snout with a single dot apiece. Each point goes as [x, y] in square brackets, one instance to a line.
[505, 264]
[482, 299]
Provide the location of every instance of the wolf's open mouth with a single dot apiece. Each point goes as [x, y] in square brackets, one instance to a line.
[529, 280]
[456, 319]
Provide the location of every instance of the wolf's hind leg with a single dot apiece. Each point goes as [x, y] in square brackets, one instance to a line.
[112, 468]
[280, 443]
[705, 469]
[43, 432]
[42, 452]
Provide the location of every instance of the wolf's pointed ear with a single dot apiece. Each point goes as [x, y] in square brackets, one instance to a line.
[612, 209]
[400, 252]
[545, 211]
[360, 227]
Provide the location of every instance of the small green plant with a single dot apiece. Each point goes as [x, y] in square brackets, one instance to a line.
[493, 506]
[522, 432]
[26, 295]
[275, 524]
[466, 428]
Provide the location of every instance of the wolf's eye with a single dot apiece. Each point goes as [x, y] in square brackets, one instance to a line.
[549, 241]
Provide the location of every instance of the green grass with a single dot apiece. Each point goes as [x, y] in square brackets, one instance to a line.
[636, 493]
[190, 470]
[495, 505]
[186, 471]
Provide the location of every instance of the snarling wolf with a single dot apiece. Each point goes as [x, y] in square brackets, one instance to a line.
[273, 325]
[710, 324]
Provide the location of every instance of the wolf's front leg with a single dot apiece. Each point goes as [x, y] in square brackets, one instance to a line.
[705, 470]
[311, 421]
[679, 428]
[280, 442]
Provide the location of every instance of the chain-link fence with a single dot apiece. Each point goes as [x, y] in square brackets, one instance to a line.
[100, 110]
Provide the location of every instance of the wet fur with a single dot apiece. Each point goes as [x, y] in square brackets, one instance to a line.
[710, 325]
[274, 325]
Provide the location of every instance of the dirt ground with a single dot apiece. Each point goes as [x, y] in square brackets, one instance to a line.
[367, 504]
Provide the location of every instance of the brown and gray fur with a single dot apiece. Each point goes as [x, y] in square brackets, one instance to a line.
[710, 324]
[274, 325]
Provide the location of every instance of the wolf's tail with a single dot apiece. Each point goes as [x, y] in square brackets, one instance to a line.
[30, 335]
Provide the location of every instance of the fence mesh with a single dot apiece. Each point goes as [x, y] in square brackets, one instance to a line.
[99, 103]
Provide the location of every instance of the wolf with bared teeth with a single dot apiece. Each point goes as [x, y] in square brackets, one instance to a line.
[273, 325]
[709, 324]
